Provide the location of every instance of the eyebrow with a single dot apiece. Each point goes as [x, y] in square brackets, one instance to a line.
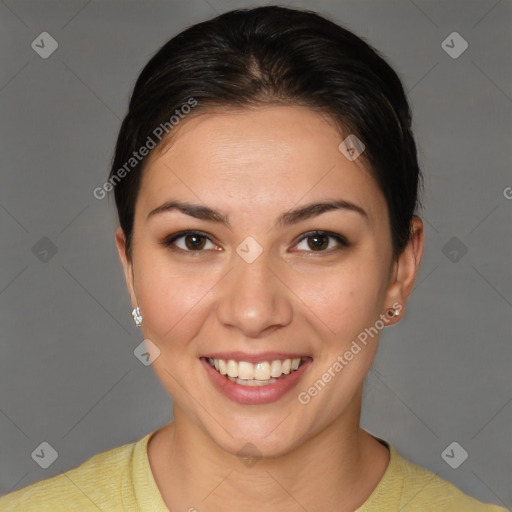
[289, 217]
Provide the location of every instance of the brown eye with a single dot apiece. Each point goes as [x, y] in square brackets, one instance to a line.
[194, 242]
[320, 241]
[187, 241]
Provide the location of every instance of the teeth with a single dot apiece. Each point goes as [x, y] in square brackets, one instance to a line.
[223, 367]
[232, 368]
[250, 374]
[245, 370]
[252, 382]
[261, 371]
[275, 369]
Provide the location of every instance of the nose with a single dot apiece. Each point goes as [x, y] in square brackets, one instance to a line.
[254, 298]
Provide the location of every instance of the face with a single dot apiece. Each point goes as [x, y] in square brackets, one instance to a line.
[231, 262]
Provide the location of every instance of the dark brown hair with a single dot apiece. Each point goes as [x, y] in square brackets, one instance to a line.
[266, 55]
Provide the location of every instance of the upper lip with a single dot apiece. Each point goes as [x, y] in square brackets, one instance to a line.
[255, 358]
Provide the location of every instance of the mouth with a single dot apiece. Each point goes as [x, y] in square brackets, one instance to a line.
[264, 379]
[262, 373]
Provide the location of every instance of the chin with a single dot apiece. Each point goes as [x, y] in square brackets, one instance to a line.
[256, 439]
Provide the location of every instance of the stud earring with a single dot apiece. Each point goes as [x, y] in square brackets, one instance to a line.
[392, 312]
[137, 317]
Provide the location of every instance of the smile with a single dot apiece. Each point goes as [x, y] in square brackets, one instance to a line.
[265, 379]
[259, 374]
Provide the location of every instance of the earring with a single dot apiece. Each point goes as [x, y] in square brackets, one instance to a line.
[137, 317]
[391, 312]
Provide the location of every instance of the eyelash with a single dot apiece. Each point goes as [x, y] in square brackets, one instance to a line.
[171, 239]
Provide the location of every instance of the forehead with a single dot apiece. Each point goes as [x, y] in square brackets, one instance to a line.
[257, 158]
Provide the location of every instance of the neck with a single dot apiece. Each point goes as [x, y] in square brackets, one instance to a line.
[336, 469]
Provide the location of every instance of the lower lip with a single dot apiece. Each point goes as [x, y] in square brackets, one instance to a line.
[254, 395]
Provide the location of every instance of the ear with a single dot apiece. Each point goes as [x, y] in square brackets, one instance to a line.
[405, 270]
[126, 263]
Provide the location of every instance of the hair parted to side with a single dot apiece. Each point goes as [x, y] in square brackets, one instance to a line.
[276, 55]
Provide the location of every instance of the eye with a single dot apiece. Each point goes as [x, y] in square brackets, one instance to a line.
[189, 241]
[196, 241]
[319, 241]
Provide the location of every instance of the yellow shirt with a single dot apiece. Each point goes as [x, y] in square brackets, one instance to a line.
[120, 479]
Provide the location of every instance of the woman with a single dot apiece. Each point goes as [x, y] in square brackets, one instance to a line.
[266, 182]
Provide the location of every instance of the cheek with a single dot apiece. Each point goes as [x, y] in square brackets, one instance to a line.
[344, 299]
[344, 305]
[172, 300]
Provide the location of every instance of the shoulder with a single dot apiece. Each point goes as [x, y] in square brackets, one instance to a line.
[93, 485]
[421, 490]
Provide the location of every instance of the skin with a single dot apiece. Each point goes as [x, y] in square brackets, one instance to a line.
[253, 165]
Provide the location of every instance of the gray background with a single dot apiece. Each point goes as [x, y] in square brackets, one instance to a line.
[68, 375]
